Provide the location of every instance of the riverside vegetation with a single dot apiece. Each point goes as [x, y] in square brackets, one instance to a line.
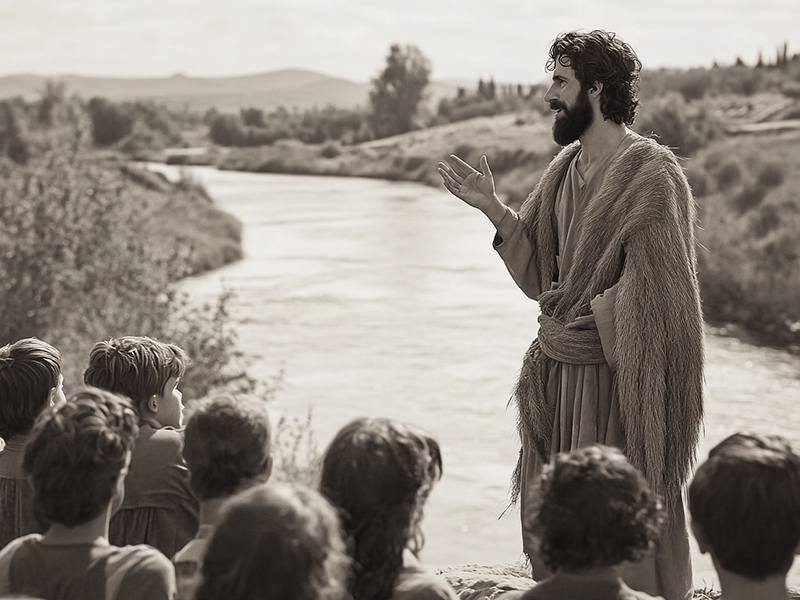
[737, 129]
[92, 247]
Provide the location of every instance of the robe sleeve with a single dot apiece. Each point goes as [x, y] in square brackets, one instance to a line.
[512, 244]
[603, 310]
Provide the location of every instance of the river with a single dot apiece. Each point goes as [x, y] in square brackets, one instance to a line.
[386, 299]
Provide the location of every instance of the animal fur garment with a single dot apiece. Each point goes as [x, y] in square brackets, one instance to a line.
[638, 232]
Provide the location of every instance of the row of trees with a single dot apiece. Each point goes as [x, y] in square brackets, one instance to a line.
[394, 106]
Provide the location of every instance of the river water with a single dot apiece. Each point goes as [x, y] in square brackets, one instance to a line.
[386, 299]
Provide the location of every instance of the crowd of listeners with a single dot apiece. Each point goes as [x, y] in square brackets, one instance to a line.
[108, 495]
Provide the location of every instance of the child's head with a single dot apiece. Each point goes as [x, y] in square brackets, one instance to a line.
[379, 473]
[30, 379]
[143, 369]
[745, 505]
[227, 445]
[275, 543]
[595, 510]
[79, 454]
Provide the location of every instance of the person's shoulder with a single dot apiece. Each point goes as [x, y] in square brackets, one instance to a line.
[648, 150]
[164, 438]
[192, 552]
[7, 555]
[138, 556]
[21, 542]
[138, 567]
[420, 583]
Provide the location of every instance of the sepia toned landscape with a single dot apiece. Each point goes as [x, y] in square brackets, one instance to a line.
[289, 230]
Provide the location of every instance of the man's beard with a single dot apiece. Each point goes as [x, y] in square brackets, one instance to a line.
[573, 122]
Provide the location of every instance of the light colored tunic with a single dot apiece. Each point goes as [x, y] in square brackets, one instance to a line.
[586, 409]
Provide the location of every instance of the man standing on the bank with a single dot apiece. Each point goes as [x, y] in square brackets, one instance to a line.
[605, 244]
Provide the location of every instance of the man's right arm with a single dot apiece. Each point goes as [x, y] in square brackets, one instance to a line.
[514, 247]
[476, 188]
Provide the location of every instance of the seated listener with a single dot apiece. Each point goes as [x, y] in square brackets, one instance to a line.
[77, 459]
[160, 508]
[227, 443]
[745, 507]
[30, 380]
[379, 473]
[595, 512]
[280, 542]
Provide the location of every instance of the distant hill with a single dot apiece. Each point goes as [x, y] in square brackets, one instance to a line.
[289, 87]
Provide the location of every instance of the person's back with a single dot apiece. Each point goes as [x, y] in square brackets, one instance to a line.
[30, 379]
[596, 513]
[160, 508]
[77, 460]
[745, 507]
[87, 571]
[227, 447]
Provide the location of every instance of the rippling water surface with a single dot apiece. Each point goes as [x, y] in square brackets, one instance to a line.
[386, 299]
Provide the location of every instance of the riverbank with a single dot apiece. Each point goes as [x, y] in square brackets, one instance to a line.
[474, 582]
[519, 147]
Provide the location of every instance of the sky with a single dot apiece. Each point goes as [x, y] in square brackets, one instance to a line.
[464, 39]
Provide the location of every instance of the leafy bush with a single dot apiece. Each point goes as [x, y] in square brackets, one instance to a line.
[77, 265]
[677, 124]
[750, 234]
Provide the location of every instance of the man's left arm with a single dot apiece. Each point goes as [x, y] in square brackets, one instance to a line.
[603, 311]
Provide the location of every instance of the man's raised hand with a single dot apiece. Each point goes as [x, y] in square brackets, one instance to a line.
[476, 188]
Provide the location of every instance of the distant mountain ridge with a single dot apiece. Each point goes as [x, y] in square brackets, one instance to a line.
[287, 87]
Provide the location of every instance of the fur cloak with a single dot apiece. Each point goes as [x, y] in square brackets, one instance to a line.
[638, 232]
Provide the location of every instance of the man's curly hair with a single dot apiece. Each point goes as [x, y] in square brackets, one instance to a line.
[600, 56]
[76, 455]
[595, 510]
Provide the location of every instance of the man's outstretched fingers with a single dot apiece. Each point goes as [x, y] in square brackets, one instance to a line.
[461, 167]
[485, 166]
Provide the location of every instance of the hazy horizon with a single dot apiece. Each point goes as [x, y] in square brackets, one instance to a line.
[464, 39]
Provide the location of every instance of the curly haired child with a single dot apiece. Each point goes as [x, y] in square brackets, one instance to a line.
[595, 512]
[77, 459]
[160, 508]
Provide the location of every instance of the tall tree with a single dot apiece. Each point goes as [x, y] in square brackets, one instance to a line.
[397, 92]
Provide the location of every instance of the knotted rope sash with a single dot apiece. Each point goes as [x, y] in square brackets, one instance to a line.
[555, 343]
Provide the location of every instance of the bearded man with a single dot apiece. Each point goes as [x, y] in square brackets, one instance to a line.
[605, 244]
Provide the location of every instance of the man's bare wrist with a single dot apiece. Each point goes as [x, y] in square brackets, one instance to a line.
[495, 211]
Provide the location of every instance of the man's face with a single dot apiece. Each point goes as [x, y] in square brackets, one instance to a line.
[571, 102]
